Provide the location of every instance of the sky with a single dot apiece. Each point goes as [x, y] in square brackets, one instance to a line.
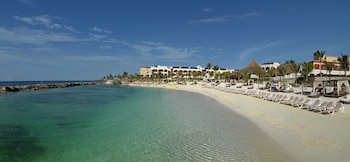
[89, 39]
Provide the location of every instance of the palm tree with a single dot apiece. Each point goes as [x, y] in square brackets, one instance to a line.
[159, 76]
[130, 78]
[226, 76]
[179, 73]
[239, 74]
[195, 74]
[215, 68]
[344, 63]
[209, 66]
[307, 68]
[270, 72]
[171, 74]
[329, 68]
[258, 73]
[125, 74]
[295, 67]
[318, 55]
[211, 74]
[281, 71]
[245, 75]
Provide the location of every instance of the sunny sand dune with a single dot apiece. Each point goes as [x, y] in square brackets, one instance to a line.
[303, 135]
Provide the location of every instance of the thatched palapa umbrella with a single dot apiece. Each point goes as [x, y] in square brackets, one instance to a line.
[251, 68]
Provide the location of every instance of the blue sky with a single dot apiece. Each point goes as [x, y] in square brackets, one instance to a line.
[85, 39]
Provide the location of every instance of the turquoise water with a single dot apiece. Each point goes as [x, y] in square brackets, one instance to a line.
[114, 123]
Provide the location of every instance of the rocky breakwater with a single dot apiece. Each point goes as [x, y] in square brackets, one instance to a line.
[43, 86]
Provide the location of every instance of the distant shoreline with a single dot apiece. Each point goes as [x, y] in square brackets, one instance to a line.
[33, 85]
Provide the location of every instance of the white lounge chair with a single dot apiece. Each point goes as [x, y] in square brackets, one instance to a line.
[277, 98]
[329, 105]
[338, 107]
[319, 107]
[287, 100]
[305, 104]
[281, 99]
[316, 103]
[298, 102]
[269, 97]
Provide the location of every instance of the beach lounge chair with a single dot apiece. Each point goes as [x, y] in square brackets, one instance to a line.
[262, 95]
[305, 104]
[278, 97]
[316, 103]
[271, 97]
[287, 100]
[298, 102]
[338, 107]
[280, 100]
[320, 107]
[328, 106]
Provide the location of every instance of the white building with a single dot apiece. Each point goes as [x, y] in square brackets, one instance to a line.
[155, 70]
[186, 71]
[269, 65]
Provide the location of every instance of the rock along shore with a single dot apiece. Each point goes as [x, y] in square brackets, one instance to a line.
[17, 88]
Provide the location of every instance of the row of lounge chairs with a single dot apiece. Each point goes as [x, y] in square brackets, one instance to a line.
[326, 107]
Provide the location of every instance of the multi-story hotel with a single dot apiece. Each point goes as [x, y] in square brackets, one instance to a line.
[144, 71]
[186, 71]
[320, 66]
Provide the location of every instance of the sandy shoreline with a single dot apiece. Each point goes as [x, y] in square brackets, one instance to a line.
[303, 135]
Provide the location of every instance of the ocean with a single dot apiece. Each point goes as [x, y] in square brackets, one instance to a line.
[19, 83]
[120, 123]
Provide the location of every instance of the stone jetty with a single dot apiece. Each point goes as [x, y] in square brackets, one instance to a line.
[43, 86]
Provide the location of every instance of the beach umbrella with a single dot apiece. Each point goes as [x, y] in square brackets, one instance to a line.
[252, 67]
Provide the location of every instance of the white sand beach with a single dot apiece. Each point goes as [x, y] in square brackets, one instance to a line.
[304, 135]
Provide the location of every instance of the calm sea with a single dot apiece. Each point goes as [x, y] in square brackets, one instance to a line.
[118, 123]
[18, 83]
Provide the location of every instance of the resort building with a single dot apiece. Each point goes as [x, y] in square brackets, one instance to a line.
[155, 70]
[320, 66]
[144, 71]
[269, 65]
[184, 71]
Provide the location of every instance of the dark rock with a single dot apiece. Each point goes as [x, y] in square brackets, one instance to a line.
[10, 89]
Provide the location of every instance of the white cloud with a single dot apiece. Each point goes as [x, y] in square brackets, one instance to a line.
[212, 20]
[252, 14]
[45, 20]
[164, 52]
[96, 29]
[152, 43]
[105, 47]
[262, 46]
[207, 10]
[37, 37]
[226, 18]
[26, 1]
[96, 37]
[93, 58]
